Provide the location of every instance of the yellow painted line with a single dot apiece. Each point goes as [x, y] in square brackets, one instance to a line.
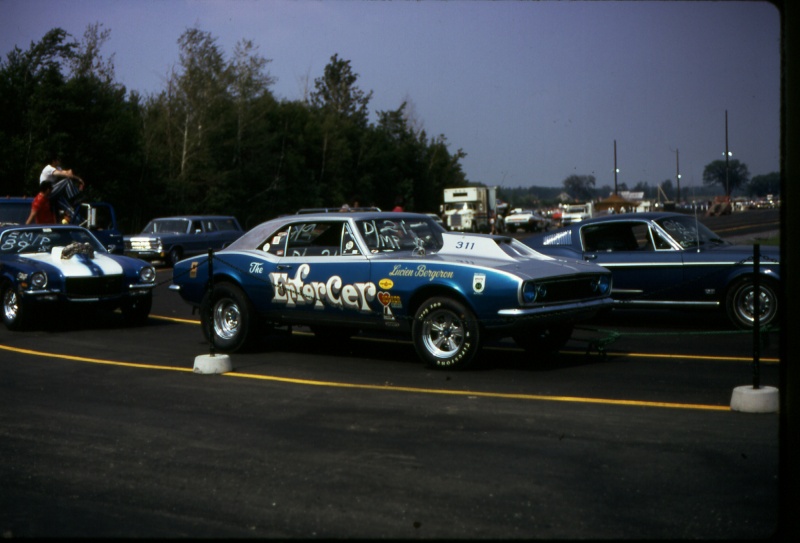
[383, 388]
[175, 319]
[91, 360]
[517, 396]
[766, 360]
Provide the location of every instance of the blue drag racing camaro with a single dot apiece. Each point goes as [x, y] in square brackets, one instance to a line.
[343, 272]
[671, 260]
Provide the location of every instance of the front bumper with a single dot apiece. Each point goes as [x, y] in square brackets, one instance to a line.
[547, 315]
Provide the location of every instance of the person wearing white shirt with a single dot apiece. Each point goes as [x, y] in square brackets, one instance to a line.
[66, 187]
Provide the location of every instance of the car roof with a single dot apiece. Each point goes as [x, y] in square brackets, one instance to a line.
[271, 225]
[359, 215]
[643, 216]
[7, 227]
[193, 217]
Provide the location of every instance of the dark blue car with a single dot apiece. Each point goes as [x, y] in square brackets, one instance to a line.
[45, 267]
[398, 272]
[671, 260]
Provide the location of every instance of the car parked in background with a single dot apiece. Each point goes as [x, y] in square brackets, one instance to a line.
[400, 272]
[171, 239]
[98, 217]
[527, 220]
[44, 267]
[671, 260]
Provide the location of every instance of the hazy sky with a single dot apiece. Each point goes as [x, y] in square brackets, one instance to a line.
[533, 92]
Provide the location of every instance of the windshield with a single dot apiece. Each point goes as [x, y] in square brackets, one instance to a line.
[387, 235]
[688, 232]
[42, 240]
[460, 206]
[178, 226]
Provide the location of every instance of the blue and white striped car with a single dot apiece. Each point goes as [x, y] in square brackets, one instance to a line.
[343, 272]
[43, 267]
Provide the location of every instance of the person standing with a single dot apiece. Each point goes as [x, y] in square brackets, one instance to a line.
[64, 188]
[41, 212]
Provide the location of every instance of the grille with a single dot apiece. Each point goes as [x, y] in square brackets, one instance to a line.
[561, 238]
[139, 245]
[567, 290]
[94, 286]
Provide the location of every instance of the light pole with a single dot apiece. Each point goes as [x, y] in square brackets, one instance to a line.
[678, 174]
[727, 164]
[616, 170]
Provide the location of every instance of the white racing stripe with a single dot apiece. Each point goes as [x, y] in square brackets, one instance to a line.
[79, 265]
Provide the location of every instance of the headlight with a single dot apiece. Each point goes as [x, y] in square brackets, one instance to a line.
[38, 280]
[532, 292]
[147, 274]
[601, 284]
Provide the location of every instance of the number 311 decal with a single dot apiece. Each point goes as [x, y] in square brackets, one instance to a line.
[465, 245]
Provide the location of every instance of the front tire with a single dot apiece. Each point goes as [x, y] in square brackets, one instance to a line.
[175, 255]
[446, 334]
[231, 315]
[739, 303]
[14, 312]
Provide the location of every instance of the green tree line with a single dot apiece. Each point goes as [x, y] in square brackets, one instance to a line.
[215, 139]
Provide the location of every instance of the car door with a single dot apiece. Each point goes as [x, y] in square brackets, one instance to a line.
[194, 241]
[322, 276]
[646, 268]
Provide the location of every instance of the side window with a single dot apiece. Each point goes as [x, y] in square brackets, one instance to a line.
[641, 232]
[349, 245]
[611, 237]
[276, 243]
[210, 226]
[196, 228]
[224, 224]
[315, 239]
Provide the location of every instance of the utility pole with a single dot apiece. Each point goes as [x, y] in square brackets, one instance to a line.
[615, 167]
[727, 154]
[678, 175]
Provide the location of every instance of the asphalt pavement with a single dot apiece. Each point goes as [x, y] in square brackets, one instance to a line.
[106, 431]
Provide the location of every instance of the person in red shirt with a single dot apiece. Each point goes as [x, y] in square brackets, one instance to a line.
[41, 212]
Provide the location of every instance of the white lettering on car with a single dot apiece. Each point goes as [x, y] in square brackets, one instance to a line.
[294, 291]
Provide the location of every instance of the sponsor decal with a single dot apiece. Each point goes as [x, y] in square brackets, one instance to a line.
[386, 284]
[478, 283]
[386, 299]
[294, 291]
[257, 267]
[193, 270]
[421, 271]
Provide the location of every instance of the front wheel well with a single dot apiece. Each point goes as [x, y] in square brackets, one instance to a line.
[431, 291]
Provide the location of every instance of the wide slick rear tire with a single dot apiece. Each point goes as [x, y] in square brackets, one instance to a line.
[446, 334]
